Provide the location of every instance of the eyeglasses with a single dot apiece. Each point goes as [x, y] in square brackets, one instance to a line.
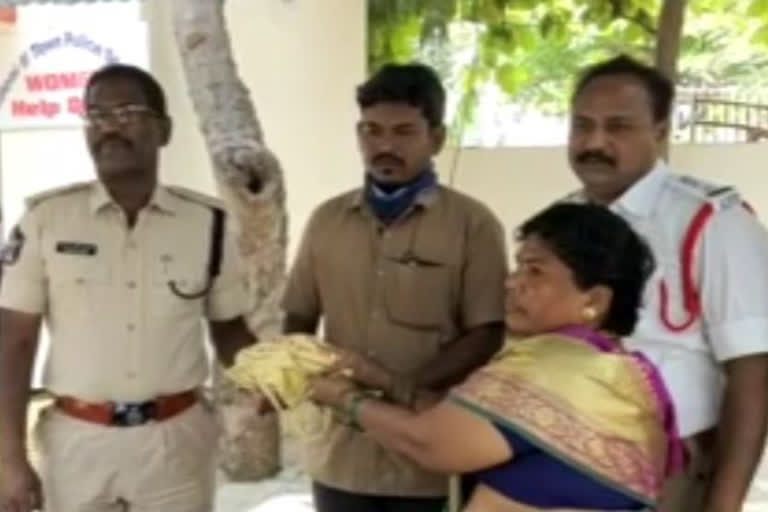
[123, 115]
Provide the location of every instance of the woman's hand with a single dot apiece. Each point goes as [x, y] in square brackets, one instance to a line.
[362, 370]
[331, 390]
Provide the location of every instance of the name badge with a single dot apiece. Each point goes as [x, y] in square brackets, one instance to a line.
[78, 248]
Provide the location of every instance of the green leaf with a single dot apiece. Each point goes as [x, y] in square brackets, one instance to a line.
[525, 4]
[634, 34]
[525, 36]
[759, 8]
[433, 28]
[490, 12]
[532, 49]
[761, 36]
[547, 25]
[510, 78]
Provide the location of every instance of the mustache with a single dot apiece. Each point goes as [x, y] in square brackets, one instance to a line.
[590, 156]
[387, 158]
[114, 138]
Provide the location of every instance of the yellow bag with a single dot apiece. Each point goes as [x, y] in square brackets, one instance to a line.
[281, 369]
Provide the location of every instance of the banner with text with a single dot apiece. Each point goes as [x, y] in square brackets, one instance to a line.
[43, 80]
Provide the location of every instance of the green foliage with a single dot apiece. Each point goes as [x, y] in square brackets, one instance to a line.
[531, 50]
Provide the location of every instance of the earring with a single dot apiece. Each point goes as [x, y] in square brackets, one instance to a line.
[589, 313]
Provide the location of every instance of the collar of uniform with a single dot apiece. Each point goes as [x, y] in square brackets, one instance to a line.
[426, 198]
[641, 196]
[161, 200]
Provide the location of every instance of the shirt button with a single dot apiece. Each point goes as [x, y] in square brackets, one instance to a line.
[131, 284]
[79, 280]
[131, 327]
[130, 375]
[131, 244]
[380, 273]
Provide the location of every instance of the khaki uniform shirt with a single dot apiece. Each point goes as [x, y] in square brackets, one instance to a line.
[398, 294]
[118, 332]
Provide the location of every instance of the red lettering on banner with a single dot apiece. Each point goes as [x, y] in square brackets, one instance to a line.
[76, 106]
[57, 81]
[8, 15]
[42, 108]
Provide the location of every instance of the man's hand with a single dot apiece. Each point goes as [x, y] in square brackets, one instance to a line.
[19, 485]
[741, 433]
[229, 337]
[20, 488]
[331, 390]
[362, 370]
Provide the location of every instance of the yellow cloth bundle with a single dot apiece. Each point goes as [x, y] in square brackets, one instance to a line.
[281, 369]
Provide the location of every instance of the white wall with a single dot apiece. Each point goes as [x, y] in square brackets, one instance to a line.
[301, 61]
[516, 182]
[37, 160]
[40, 17]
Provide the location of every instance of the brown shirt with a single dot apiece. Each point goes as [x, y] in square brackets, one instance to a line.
[398, 294]
[117, 331]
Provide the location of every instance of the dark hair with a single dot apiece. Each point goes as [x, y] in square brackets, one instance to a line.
[150, 87]
[600, 248]
[660, 89]
[415, 84]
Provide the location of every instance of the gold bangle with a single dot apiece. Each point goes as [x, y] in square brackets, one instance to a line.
[355, 412]
[351, 408]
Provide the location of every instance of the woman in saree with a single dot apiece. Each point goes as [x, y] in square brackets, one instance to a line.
[562, 417]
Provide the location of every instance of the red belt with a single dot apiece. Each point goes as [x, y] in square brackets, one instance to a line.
[128, 414]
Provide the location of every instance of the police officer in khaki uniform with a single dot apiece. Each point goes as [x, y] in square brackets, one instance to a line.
[705, 316]
[123, 270]
[405, 271]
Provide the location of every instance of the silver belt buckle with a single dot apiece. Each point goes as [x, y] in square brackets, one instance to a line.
[127, 414]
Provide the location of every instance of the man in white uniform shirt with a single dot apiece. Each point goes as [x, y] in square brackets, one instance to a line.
[705, 314]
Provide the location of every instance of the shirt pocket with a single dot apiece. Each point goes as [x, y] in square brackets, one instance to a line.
[418, 293]
[179, 288]
[78, 283]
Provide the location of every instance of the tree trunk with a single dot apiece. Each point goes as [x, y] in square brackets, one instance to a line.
[250, 180]
[670, 33]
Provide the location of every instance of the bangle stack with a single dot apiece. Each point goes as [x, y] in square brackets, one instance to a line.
[351, 412]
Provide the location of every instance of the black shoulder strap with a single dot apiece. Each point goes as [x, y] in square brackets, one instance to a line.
[217, 243]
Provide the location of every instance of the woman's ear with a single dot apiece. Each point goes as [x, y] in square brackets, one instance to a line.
[599, 299]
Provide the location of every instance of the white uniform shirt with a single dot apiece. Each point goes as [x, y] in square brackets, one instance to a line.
[731, 271]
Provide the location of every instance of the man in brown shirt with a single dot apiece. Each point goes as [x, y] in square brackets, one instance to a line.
[404, 270]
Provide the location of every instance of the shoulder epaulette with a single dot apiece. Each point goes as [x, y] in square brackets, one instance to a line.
[196, 197]
[36, 199]
[721, 197]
